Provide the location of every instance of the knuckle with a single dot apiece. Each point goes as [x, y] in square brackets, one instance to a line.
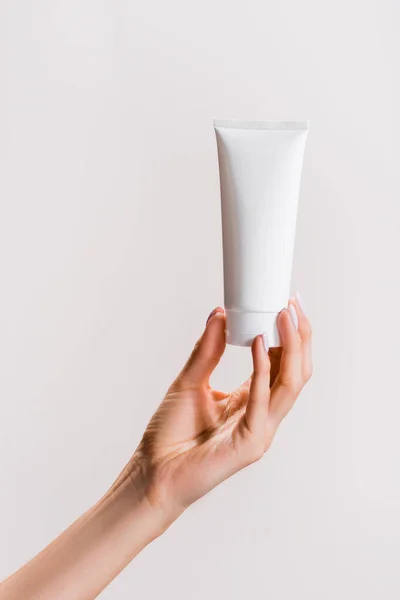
[297, 386]
[308, 373]
[292, 384]
[296, 389]
[267, 444]
[307, 329]
[256, 451]
[269, 436]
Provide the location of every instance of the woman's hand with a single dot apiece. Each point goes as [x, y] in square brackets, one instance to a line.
[197, 438]
[200, 436]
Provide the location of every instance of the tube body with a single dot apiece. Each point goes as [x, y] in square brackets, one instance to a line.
[260, 166]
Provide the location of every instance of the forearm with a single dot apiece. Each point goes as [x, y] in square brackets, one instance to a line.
[88, 555]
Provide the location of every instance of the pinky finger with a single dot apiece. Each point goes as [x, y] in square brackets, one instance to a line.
[306, 335]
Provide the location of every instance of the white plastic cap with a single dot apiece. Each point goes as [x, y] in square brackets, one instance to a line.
[243, 327]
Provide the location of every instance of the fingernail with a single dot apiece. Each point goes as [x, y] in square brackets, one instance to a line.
[214, 312]
[300, 301]
[293, 315]
[265, 342]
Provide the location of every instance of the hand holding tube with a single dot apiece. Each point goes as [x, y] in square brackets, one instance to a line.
[200, 436]
[197, 438]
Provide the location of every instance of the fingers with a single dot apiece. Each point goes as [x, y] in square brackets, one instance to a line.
[305, 334]
[295, 367]
[257, 405]
[289, 380]
[207, 352]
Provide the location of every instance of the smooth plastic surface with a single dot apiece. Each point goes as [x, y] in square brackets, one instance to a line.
[243, 327]
[260, 166]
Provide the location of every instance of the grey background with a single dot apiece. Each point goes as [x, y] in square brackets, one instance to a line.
[110, 251]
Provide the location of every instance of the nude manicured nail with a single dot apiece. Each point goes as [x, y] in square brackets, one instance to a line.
[300, 301]
[265, 342]
[214, 312]
[293, 316]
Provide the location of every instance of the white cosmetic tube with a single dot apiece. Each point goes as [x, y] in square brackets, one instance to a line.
[260, 166]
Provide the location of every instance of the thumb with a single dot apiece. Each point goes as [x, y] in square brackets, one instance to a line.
[207, 351]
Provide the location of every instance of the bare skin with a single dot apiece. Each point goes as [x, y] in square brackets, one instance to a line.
[197, 438]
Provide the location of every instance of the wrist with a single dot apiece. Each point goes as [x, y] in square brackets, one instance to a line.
[137, 492]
